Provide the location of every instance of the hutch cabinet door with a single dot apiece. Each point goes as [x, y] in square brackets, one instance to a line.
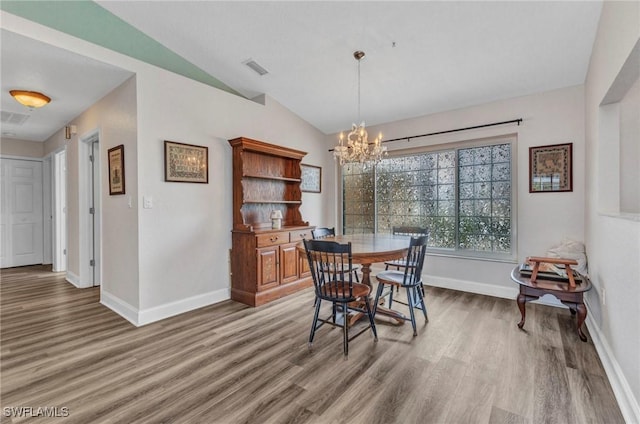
[303, 265]
[288, 263]
[267, 267]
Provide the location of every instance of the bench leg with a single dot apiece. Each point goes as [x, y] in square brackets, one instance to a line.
[582, 315]
[521, 301]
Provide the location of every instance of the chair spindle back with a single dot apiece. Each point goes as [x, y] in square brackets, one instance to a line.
[330, 263]
[415, 261]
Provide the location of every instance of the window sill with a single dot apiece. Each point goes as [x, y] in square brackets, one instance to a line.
[474, 258]
[622, 215]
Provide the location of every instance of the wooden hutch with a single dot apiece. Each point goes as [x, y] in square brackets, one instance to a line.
[265, 263]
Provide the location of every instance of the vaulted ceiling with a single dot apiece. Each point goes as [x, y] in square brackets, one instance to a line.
[421, 57]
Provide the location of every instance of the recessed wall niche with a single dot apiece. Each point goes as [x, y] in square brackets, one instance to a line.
[619, 146]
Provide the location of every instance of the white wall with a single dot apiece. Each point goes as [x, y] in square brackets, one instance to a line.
[115, 117]
[613, 241]
[185, 238]
[543, 219]
[25, 148]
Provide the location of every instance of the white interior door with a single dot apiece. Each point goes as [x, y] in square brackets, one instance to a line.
[22, 216]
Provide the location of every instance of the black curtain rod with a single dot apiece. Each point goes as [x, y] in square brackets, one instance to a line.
[493, 124]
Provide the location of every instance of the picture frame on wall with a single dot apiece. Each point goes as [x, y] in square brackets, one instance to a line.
[116, 170]
[186, 163]
[311, 178]
[551, 168]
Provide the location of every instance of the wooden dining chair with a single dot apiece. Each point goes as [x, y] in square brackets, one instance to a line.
[329, 262]
[324, 232]
[405, 231]
[410, 279]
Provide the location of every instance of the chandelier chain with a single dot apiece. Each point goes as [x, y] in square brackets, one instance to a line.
[359, 116]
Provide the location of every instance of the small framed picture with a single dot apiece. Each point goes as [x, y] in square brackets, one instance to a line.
[186, 163]
[550, 168]
[116, 170]
[311, 179]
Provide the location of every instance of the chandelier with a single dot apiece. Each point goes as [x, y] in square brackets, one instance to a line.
[356, 146]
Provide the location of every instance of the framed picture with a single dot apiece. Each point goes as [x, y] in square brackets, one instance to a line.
[186, 163]
[550, 168]
[311, 179]
[116, 170]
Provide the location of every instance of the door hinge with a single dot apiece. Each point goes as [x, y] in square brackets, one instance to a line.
[91, 158]
[64, 251]
[92, 211]
[92, 262]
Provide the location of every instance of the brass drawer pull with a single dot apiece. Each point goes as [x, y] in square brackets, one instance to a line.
[273, 238]
[303, 235]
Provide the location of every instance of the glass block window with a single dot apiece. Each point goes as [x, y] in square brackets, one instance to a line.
[462, 195]
[484, 200]
[358, 199]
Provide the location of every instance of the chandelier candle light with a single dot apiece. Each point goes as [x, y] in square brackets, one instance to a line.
[356, 147]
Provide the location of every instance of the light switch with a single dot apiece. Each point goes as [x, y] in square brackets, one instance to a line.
[147, 202]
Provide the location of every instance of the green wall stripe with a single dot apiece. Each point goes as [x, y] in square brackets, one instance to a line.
[91, 22]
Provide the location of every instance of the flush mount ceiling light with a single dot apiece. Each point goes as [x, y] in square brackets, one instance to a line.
[30, 98]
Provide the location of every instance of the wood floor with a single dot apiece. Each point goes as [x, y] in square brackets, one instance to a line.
[229, 363]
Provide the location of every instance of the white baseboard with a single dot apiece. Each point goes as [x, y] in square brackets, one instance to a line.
[626, 400]
[470, 286]
[75, 280]
[167, 310]
[120, 307]
[157, 313]
[485, 289]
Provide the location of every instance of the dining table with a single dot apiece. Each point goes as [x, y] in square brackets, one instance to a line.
[367, 249]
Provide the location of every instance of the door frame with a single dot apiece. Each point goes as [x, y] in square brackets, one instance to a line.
[87, 276]
[59, 230]
[47, 210]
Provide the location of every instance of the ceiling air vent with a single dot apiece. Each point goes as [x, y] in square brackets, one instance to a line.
[256, 67]
[13, 118]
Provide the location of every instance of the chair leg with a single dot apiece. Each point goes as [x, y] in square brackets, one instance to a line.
[411, 303]
[345, 331]
[378, 294]
[371, 321]
[355, 274]
[423, 305]
[315, 321]
[391, 295]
